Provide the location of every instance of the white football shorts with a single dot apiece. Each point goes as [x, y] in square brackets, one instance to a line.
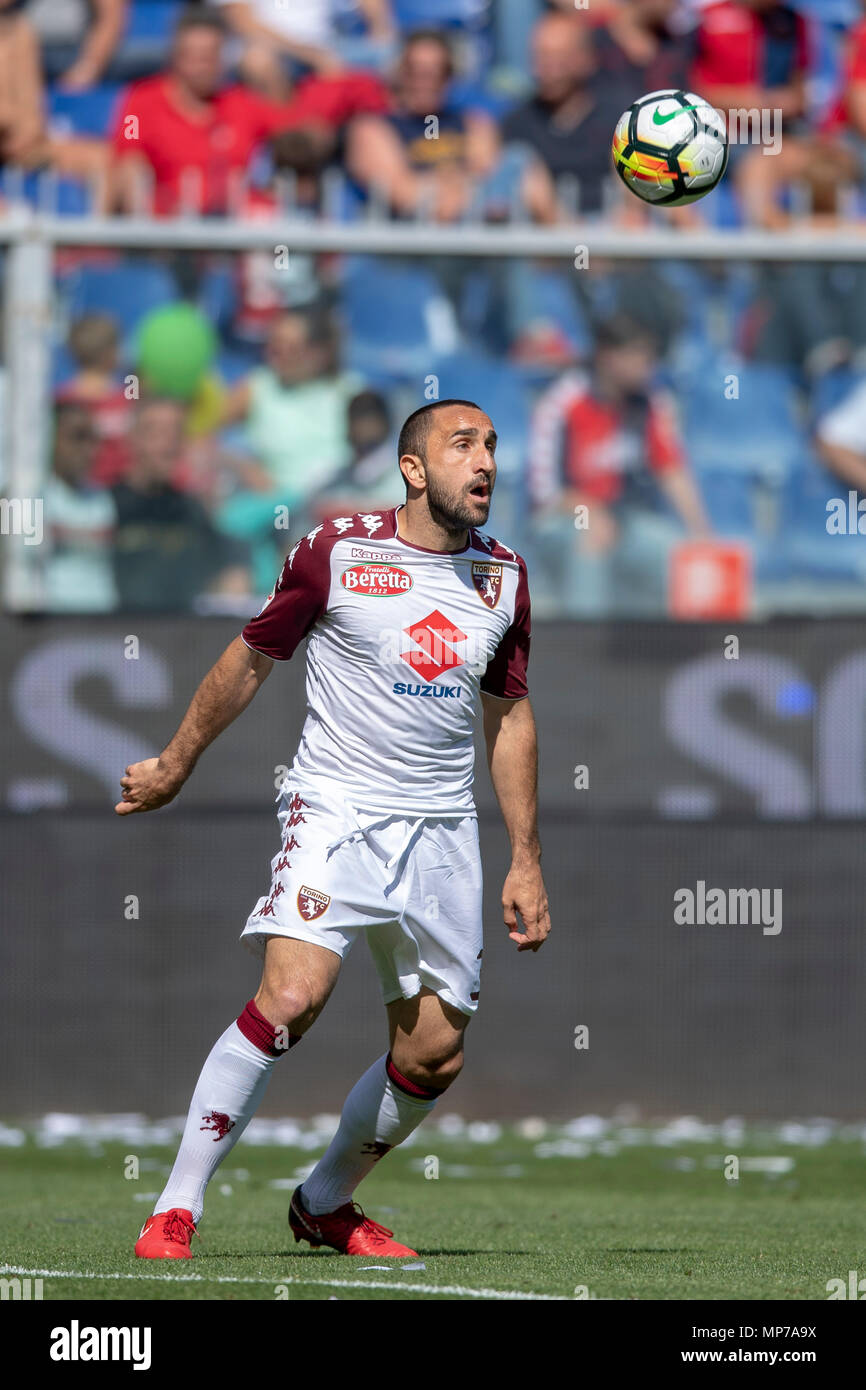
[411, 884]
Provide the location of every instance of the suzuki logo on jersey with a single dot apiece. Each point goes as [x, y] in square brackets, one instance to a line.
[435, 692]
[433, 641]
[487, 578]
[376, 581]
[311, 903]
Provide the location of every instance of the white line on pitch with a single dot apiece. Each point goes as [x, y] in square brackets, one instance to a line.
[455, 1290]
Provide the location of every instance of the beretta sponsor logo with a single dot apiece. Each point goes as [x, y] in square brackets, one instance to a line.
[377, 581]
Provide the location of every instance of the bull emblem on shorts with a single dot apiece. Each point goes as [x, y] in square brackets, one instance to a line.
[487, 578]
[312, 903]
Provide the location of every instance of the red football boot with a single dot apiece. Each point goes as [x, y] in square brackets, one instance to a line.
[166, 1236]
[347, 1230]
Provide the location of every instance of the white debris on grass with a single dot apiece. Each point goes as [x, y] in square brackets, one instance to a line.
[587, 1127]
[774, 1166]
[811, 1133]
[685, 1130]
[563, 1148]
[578, 1138]
[532, 1128]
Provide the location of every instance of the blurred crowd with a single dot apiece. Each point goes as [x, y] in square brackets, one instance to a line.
[494, 108]
[209, 408]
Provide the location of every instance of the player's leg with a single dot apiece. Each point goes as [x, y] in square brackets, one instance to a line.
[428, 961]
[297, 979]
[392, 1097]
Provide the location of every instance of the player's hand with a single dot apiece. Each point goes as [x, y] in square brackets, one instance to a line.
[524, 893]
[147, 786]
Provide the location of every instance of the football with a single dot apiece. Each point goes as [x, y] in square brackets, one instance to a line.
[670, 148]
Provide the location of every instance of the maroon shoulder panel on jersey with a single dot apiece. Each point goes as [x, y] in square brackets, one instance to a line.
[494, 548]
[299, 598]
[505, 675]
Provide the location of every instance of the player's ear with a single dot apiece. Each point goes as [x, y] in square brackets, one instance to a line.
[413, 470]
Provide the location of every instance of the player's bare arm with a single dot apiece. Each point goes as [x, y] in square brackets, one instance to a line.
[225, 692]
[512, 756]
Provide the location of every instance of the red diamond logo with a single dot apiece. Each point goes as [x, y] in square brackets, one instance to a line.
[434, 639]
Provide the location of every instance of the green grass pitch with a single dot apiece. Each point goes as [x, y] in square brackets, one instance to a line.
[644, 1218]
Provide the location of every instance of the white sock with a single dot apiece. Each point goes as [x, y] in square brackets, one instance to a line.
[227, 1095]
[378, 1115]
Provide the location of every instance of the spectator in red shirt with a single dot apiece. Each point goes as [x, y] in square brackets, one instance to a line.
[753, 56]
[194, 137]
[752, 53]
[93, 345]
[187, 131]
[846, 120]
[606, 469]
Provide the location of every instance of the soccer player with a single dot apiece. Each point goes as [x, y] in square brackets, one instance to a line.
[413, 617]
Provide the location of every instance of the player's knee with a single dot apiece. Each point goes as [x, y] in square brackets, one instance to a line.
[448, 1070]
[435, 1069]
[294, 1006]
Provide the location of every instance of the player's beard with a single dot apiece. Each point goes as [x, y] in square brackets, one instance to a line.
[454, 512]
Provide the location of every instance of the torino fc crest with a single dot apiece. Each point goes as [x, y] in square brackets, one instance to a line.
[312, 903]
[487, 578]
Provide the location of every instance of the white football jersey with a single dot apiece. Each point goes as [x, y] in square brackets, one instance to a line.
[400, 641]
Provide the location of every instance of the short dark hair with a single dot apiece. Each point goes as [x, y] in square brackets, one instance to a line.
[432, 36]
[416, 428]
[318, 320]
[369, 403]
[303, 149]
[67, 410]
[92, 338]
[621, 330]
[196, 17]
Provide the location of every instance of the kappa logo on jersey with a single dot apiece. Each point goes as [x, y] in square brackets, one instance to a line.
[434, 640]
[376, 581]
[312, 903]
[487, 578]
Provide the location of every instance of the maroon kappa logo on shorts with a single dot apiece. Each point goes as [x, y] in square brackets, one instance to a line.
[487, 578]
[219, 1122]
[312, 903]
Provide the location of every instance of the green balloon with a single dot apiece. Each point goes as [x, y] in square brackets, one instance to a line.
[176, 345]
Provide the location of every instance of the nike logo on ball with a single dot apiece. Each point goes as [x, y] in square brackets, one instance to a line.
[663, 120]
